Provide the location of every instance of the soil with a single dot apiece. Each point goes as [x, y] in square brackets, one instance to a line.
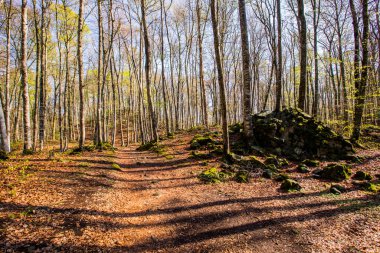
[156, 203]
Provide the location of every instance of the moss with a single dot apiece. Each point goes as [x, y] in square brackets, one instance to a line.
[281, 177]
[311, 163]
[335, 172]
[198, 155]
[242, 176]
[152, 146]
[290, 185]
[370, 187]
[360, 175]
[201, 141]
[214, 175]
[337, 189]
[236, 128]
[302, 168]
[169, 157]
[278, 162]
[116, 166]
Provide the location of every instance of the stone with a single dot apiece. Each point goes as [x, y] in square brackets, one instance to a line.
[335, 172]
[361, 175]
[297, 135]
[337, 189]
[302, 168]
[290, 185]
[311, 163]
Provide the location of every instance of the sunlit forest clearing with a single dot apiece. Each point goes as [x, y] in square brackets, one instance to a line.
[189, 126]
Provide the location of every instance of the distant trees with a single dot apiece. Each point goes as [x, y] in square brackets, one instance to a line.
[151, 68]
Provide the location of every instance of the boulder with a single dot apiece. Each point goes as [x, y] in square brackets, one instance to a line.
[335, 172]
[298, 136]
[290, 185]
[302, 168]
[361, 175]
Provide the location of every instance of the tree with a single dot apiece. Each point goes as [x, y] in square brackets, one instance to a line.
[147, 71]
[303, 54]
[360, 87]
[7, 72]
[82, 133]
[4, 141]
[223, 104]
[279, 57]
[246, 70]
[24, 76]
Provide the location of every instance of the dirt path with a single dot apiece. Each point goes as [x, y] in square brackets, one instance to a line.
[155, 203]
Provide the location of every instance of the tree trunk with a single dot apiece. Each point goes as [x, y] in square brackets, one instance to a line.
[279, 58]
[82, 129]
[303, 55]
[24, 76]
[246, 70]
[360, 91]
[223, 104]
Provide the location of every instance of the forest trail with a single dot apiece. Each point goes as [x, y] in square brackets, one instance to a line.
[156, 203]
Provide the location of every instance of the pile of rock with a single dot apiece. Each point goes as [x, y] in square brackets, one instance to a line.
[298, 135]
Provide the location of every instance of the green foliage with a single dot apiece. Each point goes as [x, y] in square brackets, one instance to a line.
[152, 146]
[3, 156]
[242, 176]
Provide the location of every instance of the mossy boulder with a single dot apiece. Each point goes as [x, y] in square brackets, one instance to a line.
[236, 128]
[242, 176]
[302, 168]
[297, 135]
[290, 185]
[278, 162]
[281, 177]
[368, 186]
[337, 189]
[361, 175]
[215, 175]
[335, 172]
[311, 163]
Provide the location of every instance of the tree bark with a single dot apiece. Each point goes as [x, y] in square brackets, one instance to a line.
[24, 76]
[223, 104]
[303, 55]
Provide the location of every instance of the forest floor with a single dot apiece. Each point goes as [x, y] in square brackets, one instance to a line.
[156, 203]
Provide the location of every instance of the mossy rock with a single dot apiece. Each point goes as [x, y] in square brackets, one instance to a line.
[236, 128]
[311, 163]
[290, 185]
[198, 155]
[242, 176]
[335, 172]
[370, 187]
[3, 155]
[299, 136]
[337, 189]
[361, 175]
[355, 159]
[200, 141]
[278, 162]
[281, 177]
[214, 175]
[302, 168]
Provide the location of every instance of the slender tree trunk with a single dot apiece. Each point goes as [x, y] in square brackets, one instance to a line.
[4, 141]
[279, 58]
[147, 72]
[316, 10]
[24, 76]
[303, 55]
[7, 72]
[201, 75]
[223, 104]
[98, 135]
[360, 91]
[246, 70]
[42, 79]
[82, 129]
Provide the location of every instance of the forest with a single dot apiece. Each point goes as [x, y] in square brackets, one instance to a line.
[189, 126]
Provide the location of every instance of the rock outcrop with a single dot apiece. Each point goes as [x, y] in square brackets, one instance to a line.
[298, 135]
